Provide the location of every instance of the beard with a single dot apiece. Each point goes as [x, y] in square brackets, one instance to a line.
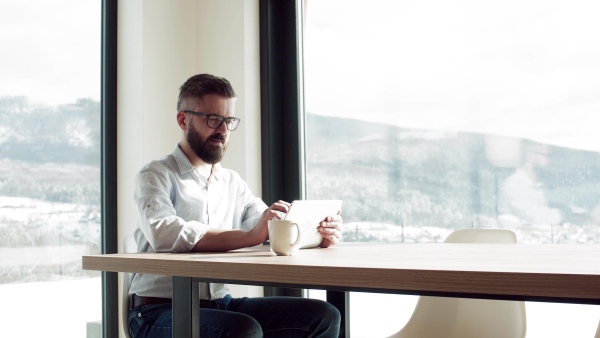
[209, 153]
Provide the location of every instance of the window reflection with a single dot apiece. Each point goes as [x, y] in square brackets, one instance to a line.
[422, 130]
[430, 116]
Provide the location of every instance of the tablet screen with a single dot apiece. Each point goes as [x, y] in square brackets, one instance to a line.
[308, 214]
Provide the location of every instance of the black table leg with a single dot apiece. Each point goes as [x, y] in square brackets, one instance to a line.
[341, 300]
[186, 308]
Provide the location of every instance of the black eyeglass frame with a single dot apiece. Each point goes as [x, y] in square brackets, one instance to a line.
[229, 121]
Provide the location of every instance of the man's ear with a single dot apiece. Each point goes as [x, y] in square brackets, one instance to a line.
[181, 120]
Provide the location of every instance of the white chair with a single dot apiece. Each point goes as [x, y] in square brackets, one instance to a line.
[598, 331]
[468, 318]
[129, 246]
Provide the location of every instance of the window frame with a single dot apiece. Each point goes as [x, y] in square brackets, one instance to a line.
[281, 117]
[282, 177]
[282, 121]
[108, 164]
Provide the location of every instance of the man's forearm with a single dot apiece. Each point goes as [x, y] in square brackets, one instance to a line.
[217, 240]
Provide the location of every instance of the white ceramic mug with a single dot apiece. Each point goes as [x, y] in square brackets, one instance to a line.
[285, 237]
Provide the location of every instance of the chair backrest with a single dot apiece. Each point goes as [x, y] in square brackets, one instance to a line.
[468, 318]
[129, 246]
[482, 236]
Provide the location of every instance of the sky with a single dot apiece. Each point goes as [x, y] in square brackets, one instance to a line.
[528, 69]
[50, 50]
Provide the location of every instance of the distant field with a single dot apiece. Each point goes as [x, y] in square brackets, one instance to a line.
[52, 182]
[43, 241]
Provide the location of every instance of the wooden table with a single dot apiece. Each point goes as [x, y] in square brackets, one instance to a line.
[551, 273]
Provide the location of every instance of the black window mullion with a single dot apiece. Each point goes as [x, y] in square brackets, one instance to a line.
[280, 110]
[108, 166]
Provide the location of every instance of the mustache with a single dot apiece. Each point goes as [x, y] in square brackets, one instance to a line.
[218, 138]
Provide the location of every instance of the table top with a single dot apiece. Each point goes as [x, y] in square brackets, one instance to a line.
[561, 272]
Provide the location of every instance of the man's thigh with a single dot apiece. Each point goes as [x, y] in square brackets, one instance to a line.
[156, 321]
[290, 316]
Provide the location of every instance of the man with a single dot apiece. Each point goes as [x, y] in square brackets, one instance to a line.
[187, 202]
[522, 200]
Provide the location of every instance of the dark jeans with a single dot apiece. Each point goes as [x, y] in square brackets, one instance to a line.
[244, 317]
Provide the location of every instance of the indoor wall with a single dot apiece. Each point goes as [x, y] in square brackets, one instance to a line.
[160, 45]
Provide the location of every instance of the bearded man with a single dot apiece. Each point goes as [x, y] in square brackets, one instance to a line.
[187, 202]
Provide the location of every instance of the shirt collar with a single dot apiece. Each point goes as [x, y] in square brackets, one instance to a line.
[185, 165]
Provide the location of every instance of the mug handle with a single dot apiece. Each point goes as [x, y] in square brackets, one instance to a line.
[298, 239]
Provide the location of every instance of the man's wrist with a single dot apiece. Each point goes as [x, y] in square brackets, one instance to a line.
[253, 238]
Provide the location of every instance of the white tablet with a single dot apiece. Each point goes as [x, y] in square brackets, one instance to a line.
[308, 214]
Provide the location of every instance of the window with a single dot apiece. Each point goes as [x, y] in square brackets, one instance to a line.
[50, 174]
[430, 116]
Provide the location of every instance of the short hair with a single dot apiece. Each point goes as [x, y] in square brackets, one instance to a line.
[204, 84]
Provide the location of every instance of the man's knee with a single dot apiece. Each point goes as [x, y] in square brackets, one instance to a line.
[247, 326]
[235, 325]
[330, 313]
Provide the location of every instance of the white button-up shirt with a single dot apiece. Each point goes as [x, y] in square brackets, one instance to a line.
[176, 206]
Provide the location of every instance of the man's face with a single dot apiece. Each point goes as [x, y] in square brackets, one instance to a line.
[210, 149]
[209, 144]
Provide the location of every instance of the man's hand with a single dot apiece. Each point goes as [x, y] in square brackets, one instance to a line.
[224, 240]
[331, 230]
[276, 211]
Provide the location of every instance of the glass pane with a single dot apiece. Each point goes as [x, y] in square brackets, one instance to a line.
[50, 166]
[429, 116]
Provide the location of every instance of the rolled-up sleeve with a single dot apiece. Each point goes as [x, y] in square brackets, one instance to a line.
[252, 213]
[176, 206]
[158, 219]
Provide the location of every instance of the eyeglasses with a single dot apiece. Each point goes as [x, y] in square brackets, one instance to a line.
[215, 121]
